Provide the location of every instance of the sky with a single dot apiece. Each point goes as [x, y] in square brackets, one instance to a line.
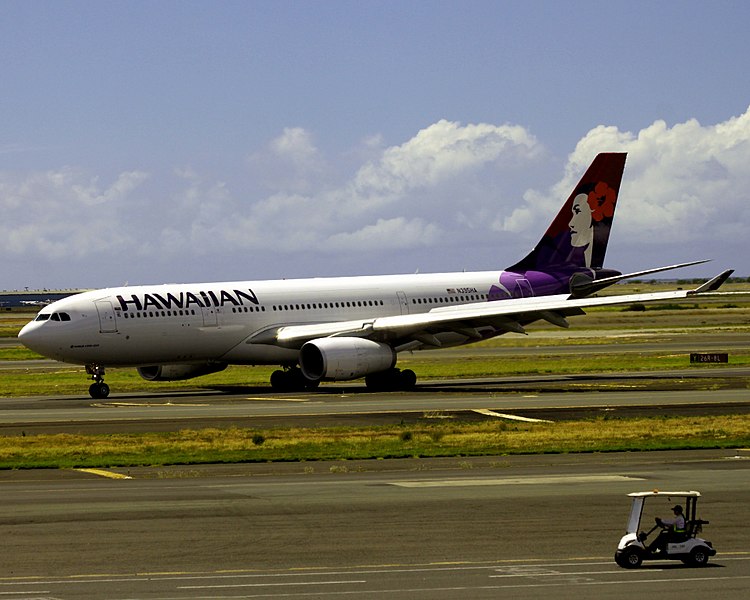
[183, 141]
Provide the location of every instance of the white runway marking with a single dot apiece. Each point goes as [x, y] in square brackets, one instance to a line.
[276, 399]
[551, 479]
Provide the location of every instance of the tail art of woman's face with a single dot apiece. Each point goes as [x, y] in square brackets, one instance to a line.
[581, 227]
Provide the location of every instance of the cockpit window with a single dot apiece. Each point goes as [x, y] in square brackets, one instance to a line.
[61, 316]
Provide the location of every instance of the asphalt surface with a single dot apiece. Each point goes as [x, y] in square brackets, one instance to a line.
[695, 390]
[543, 397]
[509, 527]
[516, 527]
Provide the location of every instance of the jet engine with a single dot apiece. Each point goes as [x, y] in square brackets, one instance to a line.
[179, 371]
[342, 358]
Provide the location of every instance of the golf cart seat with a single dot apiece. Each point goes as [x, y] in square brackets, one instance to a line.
[694, 527]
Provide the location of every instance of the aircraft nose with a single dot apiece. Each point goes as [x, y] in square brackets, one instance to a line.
[24, 333]
[29, 335]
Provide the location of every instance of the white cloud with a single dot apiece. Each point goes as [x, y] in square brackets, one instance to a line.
[90, 194]
[63, 214]
[436, 154]
[685, 183]
[408, 192]
[291, 162]
[398, 233]
[465, 191]
[296, 145]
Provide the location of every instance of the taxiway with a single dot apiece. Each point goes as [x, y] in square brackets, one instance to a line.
[544, 397]
[436, 529]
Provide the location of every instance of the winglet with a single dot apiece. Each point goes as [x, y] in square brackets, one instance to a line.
[712, 284]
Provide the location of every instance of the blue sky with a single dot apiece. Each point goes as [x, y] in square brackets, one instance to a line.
[145, 142]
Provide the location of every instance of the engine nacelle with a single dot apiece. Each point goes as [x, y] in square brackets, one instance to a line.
[179, 371]
[342, 358]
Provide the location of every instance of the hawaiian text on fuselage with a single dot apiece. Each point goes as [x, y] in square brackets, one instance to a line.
[199, 298]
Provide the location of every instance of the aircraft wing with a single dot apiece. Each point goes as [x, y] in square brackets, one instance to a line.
[468, 319]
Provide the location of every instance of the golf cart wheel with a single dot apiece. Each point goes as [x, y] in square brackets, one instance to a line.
[631, 558]
[699, 557]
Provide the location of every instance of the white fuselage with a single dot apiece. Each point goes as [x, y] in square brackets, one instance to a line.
[181, 323]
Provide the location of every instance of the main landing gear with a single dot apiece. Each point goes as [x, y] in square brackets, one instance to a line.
[291, 379]
[391, 380]
[97, 390]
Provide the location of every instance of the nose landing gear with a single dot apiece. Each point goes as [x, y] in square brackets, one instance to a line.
[97, 390]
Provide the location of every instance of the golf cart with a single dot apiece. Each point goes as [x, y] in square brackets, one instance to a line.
[683, 545]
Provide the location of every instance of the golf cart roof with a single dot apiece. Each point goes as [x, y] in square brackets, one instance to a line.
[691, 494]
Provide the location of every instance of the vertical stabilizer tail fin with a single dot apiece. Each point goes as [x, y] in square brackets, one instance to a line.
[577, 237]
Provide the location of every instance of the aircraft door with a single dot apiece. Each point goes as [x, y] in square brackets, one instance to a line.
[210, 316]
[403, 303]
[107, 322]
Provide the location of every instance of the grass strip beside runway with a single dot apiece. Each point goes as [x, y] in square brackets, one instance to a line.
[235, 445]
[64, 379]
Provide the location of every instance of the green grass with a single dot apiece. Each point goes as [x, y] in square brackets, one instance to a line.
[11, 322]
[549, 363]
[234, 445]
[62, 379]
[18, 353]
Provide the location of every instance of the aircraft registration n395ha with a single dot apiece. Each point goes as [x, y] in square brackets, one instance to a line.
[349, 327]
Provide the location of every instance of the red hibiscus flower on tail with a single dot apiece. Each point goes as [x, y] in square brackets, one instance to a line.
[602, 201]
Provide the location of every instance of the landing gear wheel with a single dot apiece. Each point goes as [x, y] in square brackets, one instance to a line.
[279, 380]
[292, 380]
[408, 379]
[391, 380]
[99, 390]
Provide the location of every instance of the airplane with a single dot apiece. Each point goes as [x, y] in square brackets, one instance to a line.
[35, 302]
[346, 328]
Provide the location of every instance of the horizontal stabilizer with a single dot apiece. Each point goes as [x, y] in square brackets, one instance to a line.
[582, 285]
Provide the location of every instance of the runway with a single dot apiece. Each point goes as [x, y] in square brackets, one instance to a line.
[516, 527]
[543, 397]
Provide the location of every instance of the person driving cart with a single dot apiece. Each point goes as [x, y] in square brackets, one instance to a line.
[672, 530]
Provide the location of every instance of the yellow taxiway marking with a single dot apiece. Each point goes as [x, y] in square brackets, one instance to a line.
[492, 413]
[103, 473]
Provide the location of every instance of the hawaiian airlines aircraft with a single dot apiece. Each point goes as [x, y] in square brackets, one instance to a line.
[350, 327]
